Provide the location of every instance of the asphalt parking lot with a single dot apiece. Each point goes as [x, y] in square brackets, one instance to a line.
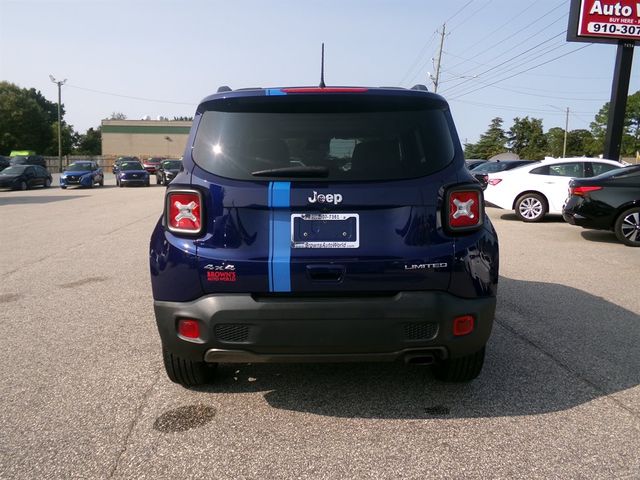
[84, 393]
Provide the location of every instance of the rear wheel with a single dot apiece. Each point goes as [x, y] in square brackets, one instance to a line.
[101, 183]
[47, 183]
[627, 227]
[158, 180]
[23, 186]
[531, 207]
[463, 369]
[187, 372]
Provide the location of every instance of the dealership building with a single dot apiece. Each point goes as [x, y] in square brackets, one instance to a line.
[144, 138]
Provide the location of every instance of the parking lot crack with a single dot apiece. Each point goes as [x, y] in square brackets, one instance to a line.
[132, 425]
[564, 366]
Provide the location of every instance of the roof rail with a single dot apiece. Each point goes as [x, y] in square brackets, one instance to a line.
[420, 87]
[224, 88]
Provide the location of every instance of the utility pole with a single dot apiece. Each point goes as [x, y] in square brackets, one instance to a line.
[59, 83]
[437, 79]
[566, 129]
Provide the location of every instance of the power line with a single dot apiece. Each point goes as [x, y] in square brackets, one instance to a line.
[131, 97]
[523, 71]
[509, 59]
[519, 32]
[418, 58]
[459, 11]
[470, 16]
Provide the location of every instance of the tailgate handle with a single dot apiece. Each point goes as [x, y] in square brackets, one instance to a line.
[325, 273]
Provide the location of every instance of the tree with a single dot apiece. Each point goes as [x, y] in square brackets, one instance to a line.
[630, 133]
[526, 138]
[491, 143]
[24, 123]
[68, 138]
[117, 116]
[183, 119]
[555, 141]
[90, 143]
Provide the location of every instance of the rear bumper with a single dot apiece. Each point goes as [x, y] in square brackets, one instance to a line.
[244, 328]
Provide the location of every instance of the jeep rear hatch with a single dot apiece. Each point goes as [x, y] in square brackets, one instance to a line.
[332, 193]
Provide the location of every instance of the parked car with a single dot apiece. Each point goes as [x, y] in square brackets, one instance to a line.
[610, 201]
[82, 173]
[167, 170]
[473, 163]
[4, 163]
[28, 160]
[535, 190]
[353, 232]
[499, 166]
[131, 172]
[152, 164]
[119, 160]
[24, 177]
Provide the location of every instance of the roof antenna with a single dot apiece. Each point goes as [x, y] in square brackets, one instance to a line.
[322, 85]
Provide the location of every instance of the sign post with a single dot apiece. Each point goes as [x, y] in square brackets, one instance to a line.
[617, 22]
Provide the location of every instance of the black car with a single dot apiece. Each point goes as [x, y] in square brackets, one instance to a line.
[4, 163]
[23, 177]
[167, 170]
[28, 160]
[610, 201]
[474, 162]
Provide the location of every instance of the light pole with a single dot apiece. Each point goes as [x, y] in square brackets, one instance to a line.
[59, 83]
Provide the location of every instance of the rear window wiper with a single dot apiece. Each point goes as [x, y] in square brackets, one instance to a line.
[299, 172]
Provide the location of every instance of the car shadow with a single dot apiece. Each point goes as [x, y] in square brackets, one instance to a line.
[601, 236]
[546, 219]
[34, 200]
[553, 348]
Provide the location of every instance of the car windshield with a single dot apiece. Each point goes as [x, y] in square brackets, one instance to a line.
[383, 139]
[131, 166]
[19, 159]
[14, 170]
[80, 167]
[172, 164]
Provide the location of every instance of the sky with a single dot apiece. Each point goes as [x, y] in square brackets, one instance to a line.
[500, 58]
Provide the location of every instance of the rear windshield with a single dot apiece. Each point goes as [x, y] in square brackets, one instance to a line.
[346, 144]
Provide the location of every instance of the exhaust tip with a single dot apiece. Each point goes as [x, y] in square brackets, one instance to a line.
[419, 359]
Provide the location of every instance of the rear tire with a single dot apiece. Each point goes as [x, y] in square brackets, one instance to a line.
[23, 186]
[627, 227]
[531, 207]
[463, 369]
[187, 372]
[47, 183]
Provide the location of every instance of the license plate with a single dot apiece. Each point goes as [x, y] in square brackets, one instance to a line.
[325, 230]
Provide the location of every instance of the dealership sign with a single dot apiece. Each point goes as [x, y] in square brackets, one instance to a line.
[604, 21]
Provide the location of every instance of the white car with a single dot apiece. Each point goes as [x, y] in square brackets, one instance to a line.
[542, 187]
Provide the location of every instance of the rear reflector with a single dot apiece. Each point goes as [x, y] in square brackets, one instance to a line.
[581, 191]
[495, 181]
[463, 325]
[465, 209]
[188, 328]
[184, 211]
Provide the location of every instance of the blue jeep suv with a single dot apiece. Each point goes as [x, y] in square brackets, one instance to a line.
[326, 225]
